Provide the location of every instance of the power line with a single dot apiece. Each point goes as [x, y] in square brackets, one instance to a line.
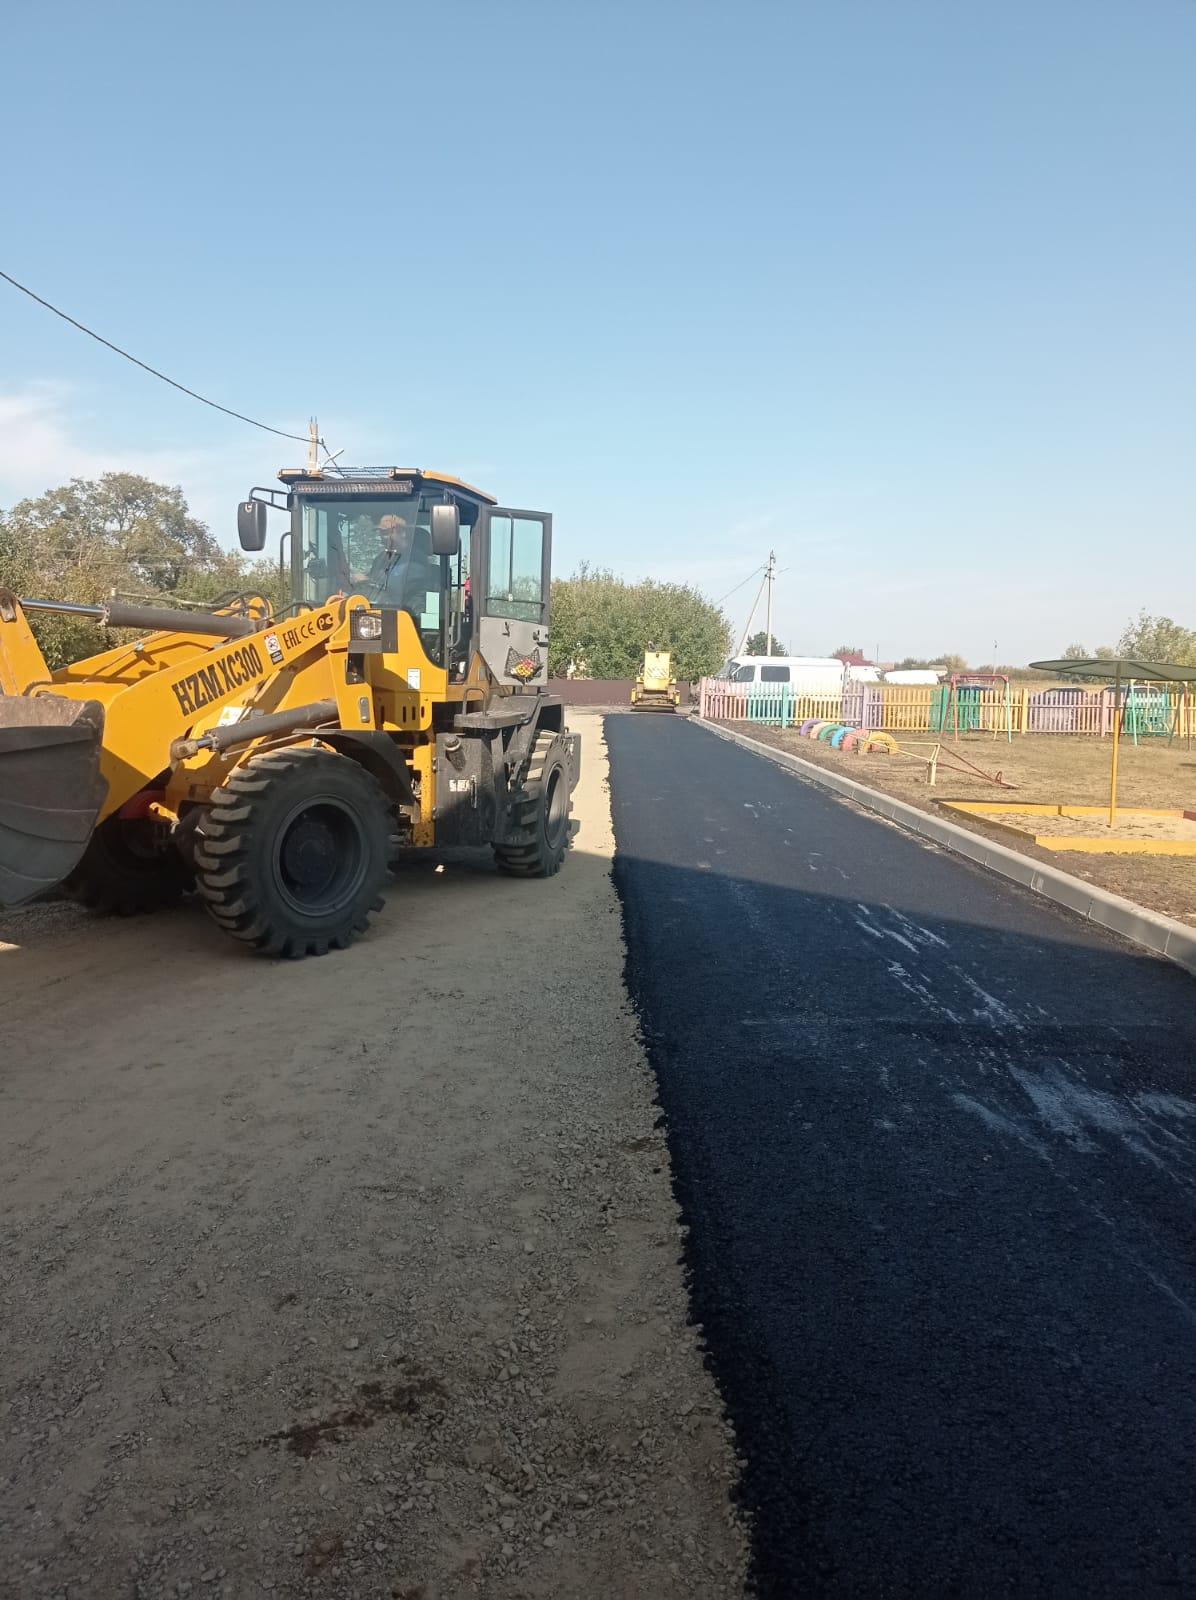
[153, 371]
[739, 586]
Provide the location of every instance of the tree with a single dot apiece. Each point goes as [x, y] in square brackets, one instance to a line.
[120, 533]
[122, 527]
[603, 625]
[947, 662]
[1075, 652]
[1158, 639]
[757, 645]
[851, 656]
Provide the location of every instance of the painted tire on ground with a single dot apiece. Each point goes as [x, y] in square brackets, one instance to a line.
[839, 737]
[827, 732]
[881, 743]
[804, 731]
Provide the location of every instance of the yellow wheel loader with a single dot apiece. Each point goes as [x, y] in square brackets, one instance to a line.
[278, 763]
[655, 688]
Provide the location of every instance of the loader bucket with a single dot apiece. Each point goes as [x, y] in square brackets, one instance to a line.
[51, 790]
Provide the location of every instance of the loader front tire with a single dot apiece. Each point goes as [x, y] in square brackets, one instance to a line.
[539, 835]
[126, 869]
[293, 852]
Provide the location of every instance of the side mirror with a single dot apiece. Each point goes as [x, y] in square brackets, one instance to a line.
[251, 524]
[446, 530]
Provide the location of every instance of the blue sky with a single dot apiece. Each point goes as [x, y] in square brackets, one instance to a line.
[901, 288]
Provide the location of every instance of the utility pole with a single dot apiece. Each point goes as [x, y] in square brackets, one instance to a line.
[751, 617]
[769, 578]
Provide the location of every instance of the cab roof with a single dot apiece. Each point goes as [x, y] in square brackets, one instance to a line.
[356, 477]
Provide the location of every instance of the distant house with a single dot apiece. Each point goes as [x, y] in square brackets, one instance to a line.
[913, 675]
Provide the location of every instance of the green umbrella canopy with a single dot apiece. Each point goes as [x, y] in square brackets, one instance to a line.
[1106, 667]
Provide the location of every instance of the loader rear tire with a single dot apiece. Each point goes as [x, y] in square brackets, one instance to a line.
[125, 870]
[293, 852]
[539, 836]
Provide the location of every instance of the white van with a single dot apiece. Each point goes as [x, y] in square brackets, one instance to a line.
[805, 674]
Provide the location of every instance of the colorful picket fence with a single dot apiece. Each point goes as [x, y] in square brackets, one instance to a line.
[905, 708]
[776, 704]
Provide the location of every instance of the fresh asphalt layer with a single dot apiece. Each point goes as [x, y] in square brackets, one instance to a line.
[934, 1141]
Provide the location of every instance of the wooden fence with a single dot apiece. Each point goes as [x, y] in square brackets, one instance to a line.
[906, 708]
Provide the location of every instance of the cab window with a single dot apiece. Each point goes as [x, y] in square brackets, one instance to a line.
[515, 581]
[774, 674]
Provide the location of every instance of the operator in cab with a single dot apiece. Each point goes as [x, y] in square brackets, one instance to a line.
[404, 572]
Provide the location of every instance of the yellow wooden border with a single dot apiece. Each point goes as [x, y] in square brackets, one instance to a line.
[1118, 847]
[993, 812]
[1027, 808]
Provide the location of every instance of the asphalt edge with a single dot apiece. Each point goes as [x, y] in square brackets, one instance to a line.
[1164, 936]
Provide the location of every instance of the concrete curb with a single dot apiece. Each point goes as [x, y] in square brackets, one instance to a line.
[1162, 935]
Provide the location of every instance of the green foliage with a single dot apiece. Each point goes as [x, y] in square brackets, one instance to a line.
[118, 534]
[1159, 639]
[757, 645]
[947, 662]
[603, 625]
[1078, 652]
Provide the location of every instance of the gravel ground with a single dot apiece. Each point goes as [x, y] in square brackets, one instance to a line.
[352, 1277]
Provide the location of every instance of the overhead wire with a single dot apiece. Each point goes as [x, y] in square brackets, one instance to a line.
[153, 371]
[739, 586]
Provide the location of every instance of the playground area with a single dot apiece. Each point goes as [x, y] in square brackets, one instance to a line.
[1048, 769]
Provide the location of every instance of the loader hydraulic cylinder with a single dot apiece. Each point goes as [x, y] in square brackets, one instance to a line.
[168, 619]
[233, 733]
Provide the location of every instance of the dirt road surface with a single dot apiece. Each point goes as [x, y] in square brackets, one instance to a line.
[349, 1277]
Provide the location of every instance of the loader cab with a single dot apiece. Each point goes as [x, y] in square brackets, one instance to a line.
[378, 532]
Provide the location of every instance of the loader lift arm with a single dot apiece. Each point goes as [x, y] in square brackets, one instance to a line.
[75, 749]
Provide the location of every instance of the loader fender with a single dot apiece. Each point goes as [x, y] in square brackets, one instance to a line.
[378, 754]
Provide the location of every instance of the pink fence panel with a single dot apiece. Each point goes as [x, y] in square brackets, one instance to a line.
[1069, 711]
[722, 701]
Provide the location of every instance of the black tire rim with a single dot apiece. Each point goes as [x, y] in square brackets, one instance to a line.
[135, 843]
[556, 809]
[320, 857]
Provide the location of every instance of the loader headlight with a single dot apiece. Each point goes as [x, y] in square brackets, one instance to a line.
[365, 625]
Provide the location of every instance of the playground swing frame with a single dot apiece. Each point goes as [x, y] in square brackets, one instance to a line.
[975, 680]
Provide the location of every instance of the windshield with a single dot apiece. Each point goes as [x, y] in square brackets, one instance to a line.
[381, 547]
[362, 545]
